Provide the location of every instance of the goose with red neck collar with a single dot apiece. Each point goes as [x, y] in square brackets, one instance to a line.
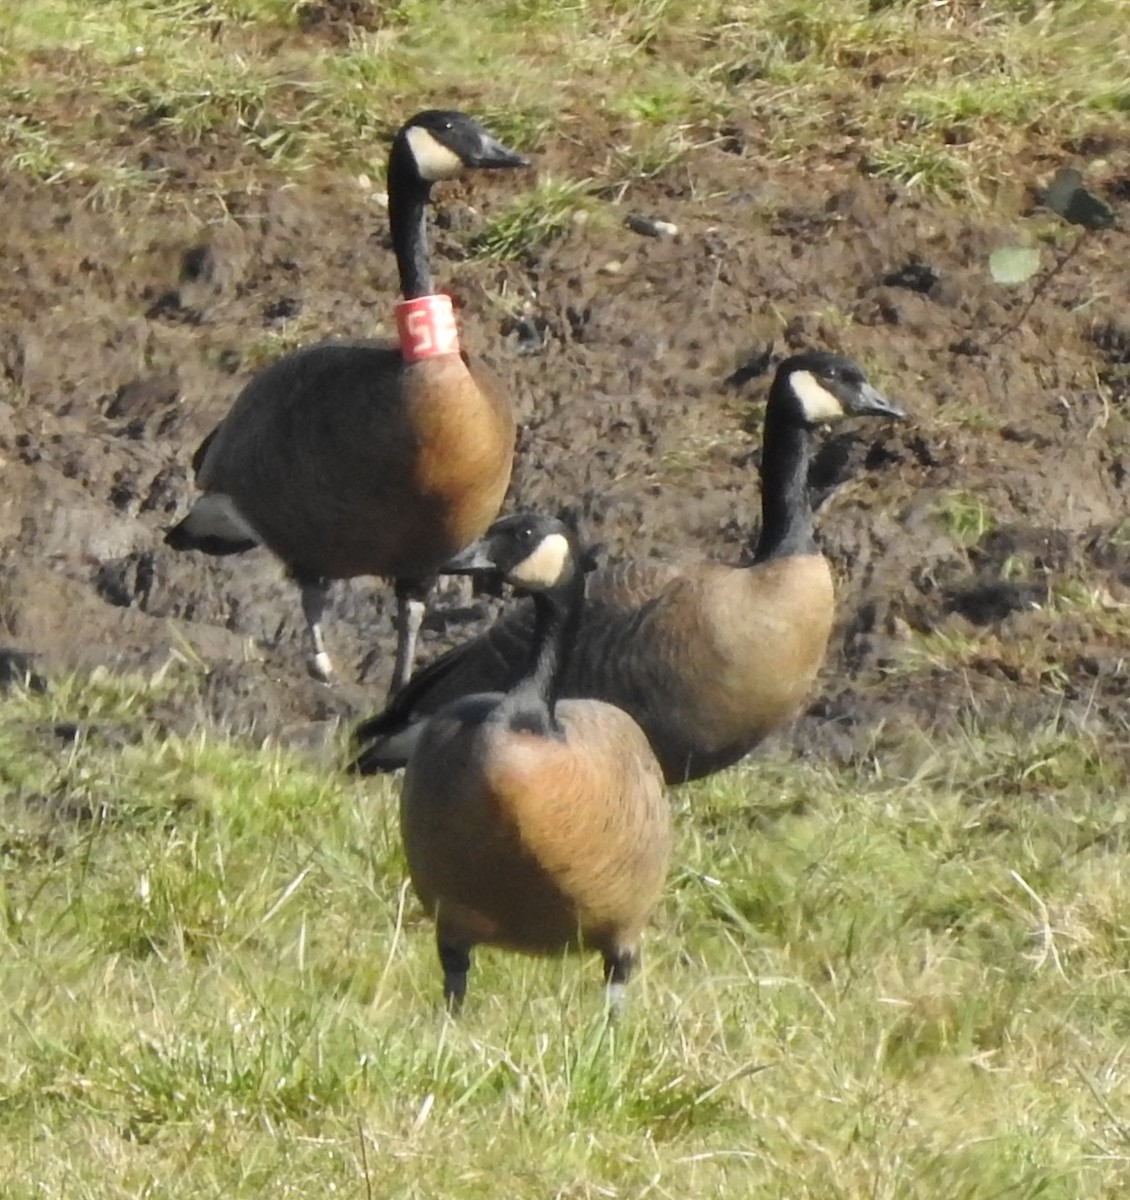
[708, 658]
[368, 457]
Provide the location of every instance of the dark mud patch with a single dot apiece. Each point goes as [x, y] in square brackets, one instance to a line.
[126, 334]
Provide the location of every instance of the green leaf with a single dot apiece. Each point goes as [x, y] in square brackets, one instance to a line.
[1067, 196]
[1014, 264]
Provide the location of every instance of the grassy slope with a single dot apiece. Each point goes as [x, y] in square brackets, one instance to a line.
[904, 983]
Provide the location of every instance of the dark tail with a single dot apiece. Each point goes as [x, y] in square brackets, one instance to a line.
[179, 537]
[389, 748]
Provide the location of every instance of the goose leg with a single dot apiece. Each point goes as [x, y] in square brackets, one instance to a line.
[411, 604]
[315, 595]
[456, 962]
[617, 968]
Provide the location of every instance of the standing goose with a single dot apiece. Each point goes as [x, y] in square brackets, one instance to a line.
[709, 659]
[368, 457]
[533, 823]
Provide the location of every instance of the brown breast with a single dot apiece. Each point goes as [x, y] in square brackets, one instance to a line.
[718, 659]
[761, 637]
[523, 842]
[464, 437]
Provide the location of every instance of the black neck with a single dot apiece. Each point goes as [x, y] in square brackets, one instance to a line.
[407, 221]
[531, 704]
[786, 510]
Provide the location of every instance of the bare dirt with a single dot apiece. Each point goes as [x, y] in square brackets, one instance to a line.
[125, 334]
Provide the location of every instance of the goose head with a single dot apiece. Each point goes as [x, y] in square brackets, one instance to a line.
[818, 388]
[441, 144]
[529, 551]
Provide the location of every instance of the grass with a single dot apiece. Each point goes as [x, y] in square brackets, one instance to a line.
[965, 517]
[862, 983]
[539, 215]
[938, 96]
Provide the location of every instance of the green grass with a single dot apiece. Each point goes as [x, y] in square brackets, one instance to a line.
[966, 517]
[870, 982]
[939, 96]
[540, 215]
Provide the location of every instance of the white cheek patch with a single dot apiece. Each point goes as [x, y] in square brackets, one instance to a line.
[818, 403]
[434, 160]
[215, 516]
[544, 567]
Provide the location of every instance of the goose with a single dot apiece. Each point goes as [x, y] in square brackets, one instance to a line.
[532, 823]
[368, 457]
[707, 658]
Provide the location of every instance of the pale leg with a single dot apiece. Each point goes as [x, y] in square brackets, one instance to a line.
[411, 598]
[315, 596]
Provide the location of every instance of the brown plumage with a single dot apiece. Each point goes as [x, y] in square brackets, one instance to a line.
[319, 446]
[529, 823]
[345, 458]
[708, 659]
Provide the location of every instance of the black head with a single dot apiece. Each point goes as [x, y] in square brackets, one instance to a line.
[530, 551]
[440, 144]
[818, 387]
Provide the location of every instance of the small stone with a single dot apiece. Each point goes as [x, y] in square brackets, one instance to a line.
[648, 227]
[612, 268]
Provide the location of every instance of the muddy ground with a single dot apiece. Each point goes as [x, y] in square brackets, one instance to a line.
[126, 332]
